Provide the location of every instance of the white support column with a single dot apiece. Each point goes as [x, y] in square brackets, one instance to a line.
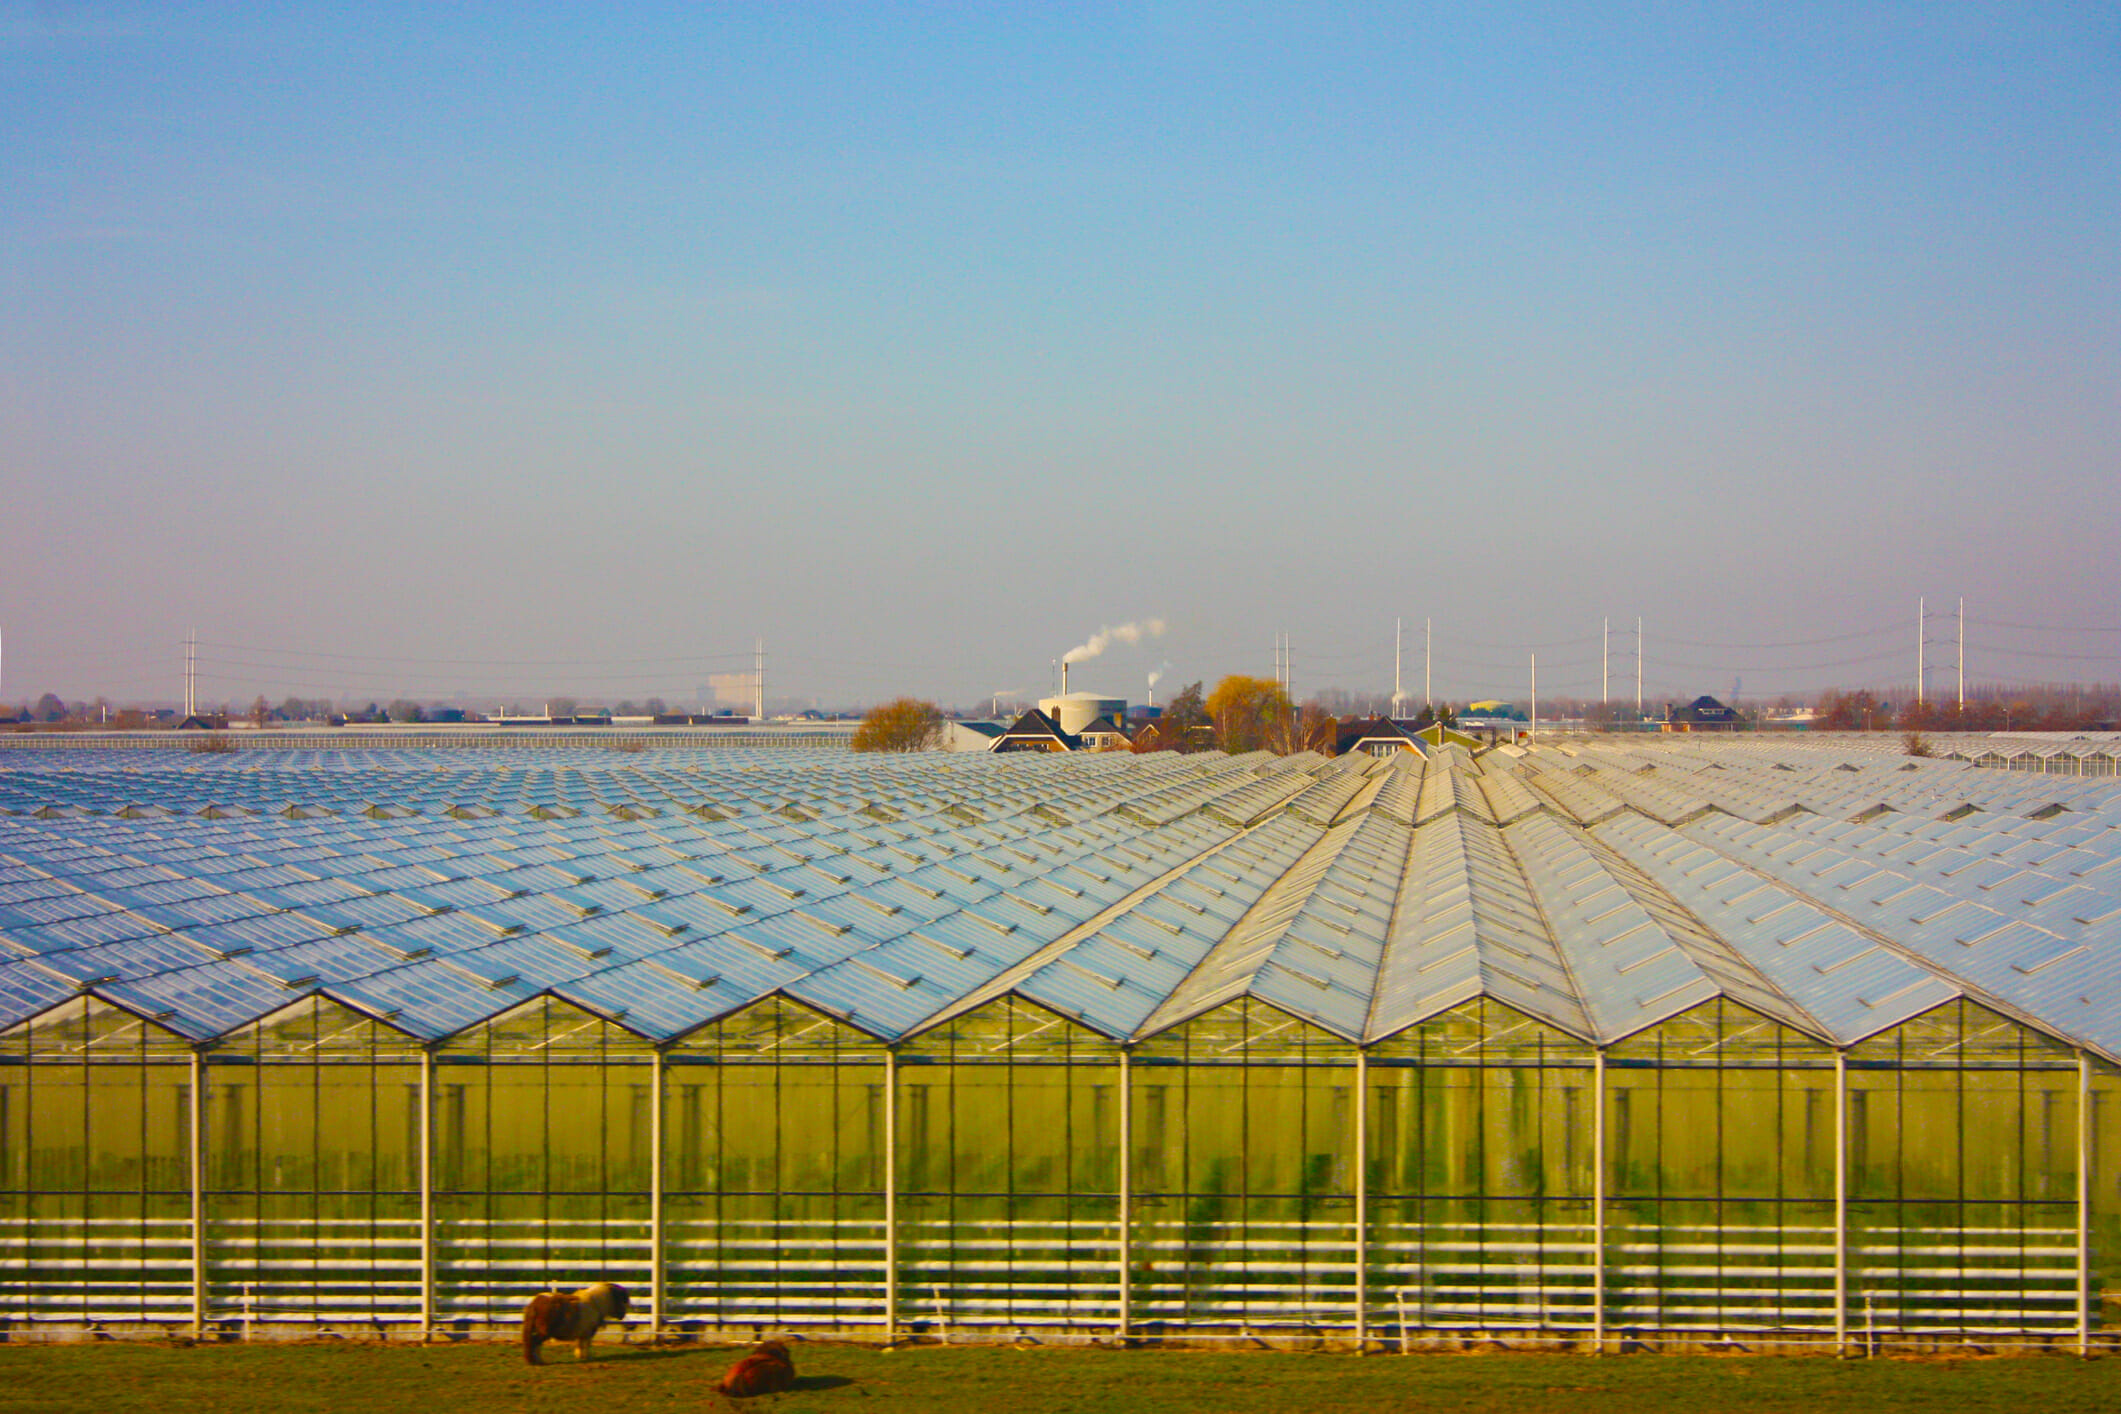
[1598, 1107]
[656, 1270]
[1126, 1193]
[1362, 1201]
[1841, 1202]
[2084, 1204]
[198, 1193]
[427, 1194]
[890, 1195]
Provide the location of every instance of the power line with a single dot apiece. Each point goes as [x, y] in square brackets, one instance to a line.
[1728, 667]
[2041, 628]
[1794, 643]
[483, 662]
[2037, 653]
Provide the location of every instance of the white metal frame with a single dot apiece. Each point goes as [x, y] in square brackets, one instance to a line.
[2057, 1271]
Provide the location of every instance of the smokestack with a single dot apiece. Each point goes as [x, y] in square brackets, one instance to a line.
[1064, 677]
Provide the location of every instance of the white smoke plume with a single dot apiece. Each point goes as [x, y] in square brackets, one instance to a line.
[1156, 674]
[1105, 637]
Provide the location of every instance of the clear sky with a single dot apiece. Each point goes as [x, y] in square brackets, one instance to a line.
[506, 348]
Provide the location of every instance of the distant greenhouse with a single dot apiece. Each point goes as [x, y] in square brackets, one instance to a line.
[1680, 1040]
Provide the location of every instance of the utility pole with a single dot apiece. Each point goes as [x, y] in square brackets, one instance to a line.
[1398, 625]
[1962, 653]
[758, 681]
[1638, 667]
[1922, 605]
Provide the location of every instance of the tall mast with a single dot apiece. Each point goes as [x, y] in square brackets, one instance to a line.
[1605, 663]
[1921, 642]
[1398, 627]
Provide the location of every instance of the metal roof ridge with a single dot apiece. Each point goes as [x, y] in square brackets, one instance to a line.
[1006, 981]
[1561, 954]
[1263, 926]
[1965, 986]
[1631, 877]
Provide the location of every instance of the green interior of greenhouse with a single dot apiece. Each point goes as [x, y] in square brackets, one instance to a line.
[1571, 1044]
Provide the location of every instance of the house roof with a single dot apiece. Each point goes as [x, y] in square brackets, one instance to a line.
[1704, 709]
[1035, 725]
[1352, 734]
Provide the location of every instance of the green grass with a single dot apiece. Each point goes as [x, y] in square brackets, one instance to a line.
[492, 1379]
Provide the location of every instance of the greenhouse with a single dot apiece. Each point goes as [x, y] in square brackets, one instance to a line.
[1725, 1043]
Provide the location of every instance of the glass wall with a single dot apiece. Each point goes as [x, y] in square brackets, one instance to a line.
[312, 1170]
[95, 1168]
[1009, 1172]
[774, 1172]
[542, 1160]
[1480, 1174]
[1720, 1173]
[1961, 1140]
[1244, 1174]
[1963, 1176]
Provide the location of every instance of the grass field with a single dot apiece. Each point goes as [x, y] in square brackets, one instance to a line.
[492, 1379]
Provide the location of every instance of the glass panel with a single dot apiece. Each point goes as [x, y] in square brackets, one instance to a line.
[94, 1149]
[312, 1171]
[1480, 1167]
[774, 1135]
[542, 1127]
[1010, 1170]
[1245, 1123]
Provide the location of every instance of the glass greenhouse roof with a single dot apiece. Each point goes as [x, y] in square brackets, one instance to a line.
[1597, 887]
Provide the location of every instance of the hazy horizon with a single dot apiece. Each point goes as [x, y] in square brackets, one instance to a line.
[405, 352]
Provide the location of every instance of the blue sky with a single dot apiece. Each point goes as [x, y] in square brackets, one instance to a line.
[510, 349]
